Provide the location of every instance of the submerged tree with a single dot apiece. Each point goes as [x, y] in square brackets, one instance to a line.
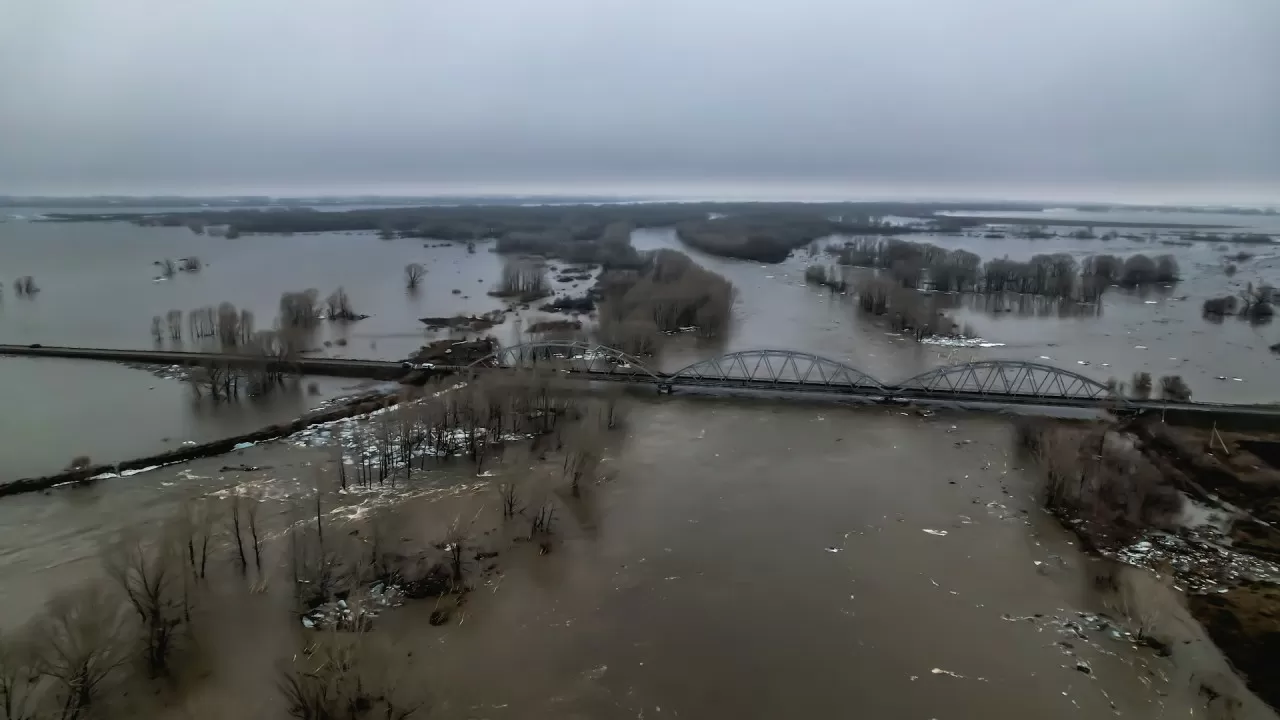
[413, 273]
[154, 580]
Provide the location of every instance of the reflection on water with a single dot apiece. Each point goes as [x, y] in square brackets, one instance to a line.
[59, 409]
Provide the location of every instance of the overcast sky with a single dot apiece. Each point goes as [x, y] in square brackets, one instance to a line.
[958, 97]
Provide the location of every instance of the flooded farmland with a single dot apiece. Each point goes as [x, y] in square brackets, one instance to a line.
[796, 560]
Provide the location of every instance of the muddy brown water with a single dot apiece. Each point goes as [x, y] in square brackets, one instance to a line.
[744, 560]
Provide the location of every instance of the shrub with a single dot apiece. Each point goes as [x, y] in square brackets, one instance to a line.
[1173, 387]
[1224, 305]
[1142, 385]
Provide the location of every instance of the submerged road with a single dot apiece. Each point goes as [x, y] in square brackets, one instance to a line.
[1196, 413]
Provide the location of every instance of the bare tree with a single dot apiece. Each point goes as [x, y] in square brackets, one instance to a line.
[25, 286]
[542, 523]
[455, 544]
[167, 268]
[1173, 387]
[174, 319]
[23, 691]
[348, 676]
[298, 309]
[202, 322]
[237, 536]
[229, 332]
[252, 512]
[523, 280]
[157, 328]
[413, 273]
[339, 306]
[581, 462]
[1142, 385]
[196, 528]
[153, 579]
[246, 327]
[507, 496]
[82, 643]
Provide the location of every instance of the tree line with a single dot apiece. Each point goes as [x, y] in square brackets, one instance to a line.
[668, 293]
[1059, 275]
[234, 332]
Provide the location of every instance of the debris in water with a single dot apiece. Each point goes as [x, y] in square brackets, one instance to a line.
[940, 671]
[936, 532]
[833, 549]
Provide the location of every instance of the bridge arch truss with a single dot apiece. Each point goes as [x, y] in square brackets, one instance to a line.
[1009, 378]
[778, 368]
[573, 357]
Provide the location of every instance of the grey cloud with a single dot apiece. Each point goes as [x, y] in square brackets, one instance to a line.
[153, 95]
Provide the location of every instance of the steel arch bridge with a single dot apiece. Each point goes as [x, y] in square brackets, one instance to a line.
[992, 380]
[1008, 378]
[576, 357]
[776, 368]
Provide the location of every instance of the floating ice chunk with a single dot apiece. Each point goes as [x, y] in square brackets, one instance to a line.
[243, 445]
[940, 533]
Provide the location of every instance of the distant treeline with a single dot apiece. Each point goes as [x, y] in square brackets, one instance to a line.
[758, 231]
[260, 201]
[771, 236]
[921, 265]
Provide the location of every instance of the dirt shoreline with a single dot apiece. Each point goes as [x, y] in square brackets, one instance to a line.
[1218, 468]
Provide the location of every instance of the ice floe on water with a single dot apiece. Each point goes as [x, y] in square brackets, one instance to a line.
[960, 342]
[357, 612]
[125, 473]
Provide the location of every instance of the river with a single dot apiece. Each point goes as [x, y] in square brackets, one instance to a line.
[744, 560]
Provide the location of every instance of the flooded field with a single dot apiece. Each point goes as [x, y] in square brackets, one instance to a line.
[795, 560]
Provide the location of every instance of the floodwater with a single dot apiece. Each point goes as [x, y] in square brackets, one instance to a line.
[744, 560]
[62, 409]
[1160, 330]
[98, 289]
